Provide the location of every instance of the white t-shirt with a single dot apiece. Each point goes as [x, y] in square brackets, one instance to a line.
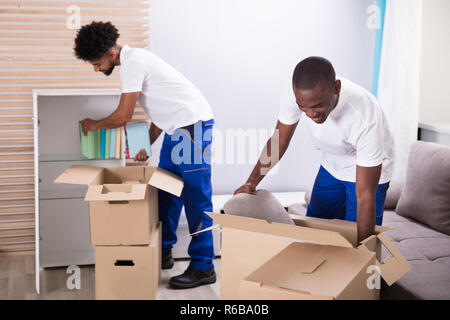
[170, 100]
[356, 132]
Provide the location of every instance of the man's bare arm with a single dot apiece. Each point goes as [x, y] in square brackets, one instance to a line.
[367, 179]
[282, 137]
[120, 116]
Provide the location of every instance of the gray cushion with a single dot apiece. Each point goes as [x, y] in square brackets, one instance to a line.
[410, 230]
[393, 194]
[308, 196]
[426, 195]
[261, 205]
[428, 253]
[426, 281]
[390, 216]
[298, 209]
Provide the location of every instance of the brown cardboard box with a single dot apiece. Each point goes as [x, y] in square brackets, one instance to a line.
[305, 271]
[248, 243]
[123, 201]
[128, 272]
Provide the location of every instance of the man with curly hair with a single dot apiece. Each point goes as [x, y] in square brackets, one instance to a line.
[176, 106]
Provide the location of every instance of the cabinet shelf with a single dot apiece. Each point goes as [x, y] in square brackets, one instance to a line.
[57, 194]
[61, 214]
[60, 157]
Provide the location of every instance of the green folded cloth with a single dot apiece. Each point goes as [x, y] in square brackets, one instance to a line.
[87, 144]
[91, 144]
[107, 143]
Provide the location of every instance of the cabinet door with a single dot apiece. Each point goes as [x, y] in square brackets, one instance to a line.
[64, 233]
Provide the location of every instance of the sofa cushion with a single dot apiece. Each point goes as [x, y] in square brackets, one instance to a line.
[426, 281]
[393, 194]
[261, 205]
[444, 260]
[410, 230]
[390, 216]
[308, 196]
[298, 209]
[428, 253]
[426, 195]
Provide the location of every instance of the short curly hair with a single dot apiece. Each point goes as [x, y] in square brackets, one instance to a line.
[94, 40]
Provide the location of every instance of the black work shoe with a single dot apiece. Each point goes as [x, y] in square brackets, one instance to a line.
[192, 278]
[167, 260]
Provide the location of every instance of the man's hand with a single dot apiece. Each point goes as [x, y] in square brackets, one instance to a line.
[249, 187]
[88, 125]
[141, 155]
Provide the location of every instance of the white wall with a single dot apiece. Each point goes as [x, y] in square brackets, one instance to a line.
[241, 55]
[435, 64]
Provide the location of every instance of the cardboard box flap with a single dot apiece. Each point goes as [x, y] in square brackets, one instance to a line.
[166, 181]
[80, 175]
[116, 192]
[124, 174]
[338, 222]
[346, 223]
[310, 265]
[278, 229]
[346, 228]
[312, 268]
[392, 268]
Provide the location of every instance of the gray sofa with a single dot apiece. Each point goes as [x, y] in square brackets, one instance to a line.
[425, 248]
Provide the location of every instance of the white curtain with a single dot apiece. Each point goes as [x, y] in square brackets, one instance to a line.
[398, 87]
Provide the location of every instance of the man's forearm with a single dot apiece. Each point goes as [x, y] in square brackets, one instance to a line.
[268, 159]
[366, 217]
[111, 122]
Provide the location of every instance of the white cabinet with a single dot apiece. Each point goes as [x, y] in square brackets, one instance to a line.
[64, 233]
[61, 214]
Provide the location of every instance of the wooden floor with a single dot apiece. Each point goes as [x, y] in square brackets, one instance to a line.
[17, 282]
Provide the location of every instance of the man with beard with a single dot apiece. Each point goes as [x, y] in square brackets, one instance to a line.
[176, 106]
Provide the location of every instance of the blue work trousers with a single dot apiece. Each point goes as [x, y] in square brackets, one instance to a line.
[187, 154]
[335, 199]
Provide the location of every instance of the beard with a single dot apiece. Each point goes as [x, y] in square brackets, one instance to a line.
[109, 71]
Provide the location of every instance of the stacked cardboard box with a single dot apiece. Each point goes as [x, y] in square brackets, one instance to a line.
[314, 259]
[124, 226]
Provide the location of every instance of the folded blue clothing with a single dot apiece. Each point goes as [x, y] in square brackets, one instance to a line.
[112, 149]
[138, 138]
[102, 143]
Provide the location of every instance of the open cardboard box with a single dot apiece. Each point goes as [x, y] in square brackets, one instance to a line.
[248, 243]
[123, 201]
[128, 272]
